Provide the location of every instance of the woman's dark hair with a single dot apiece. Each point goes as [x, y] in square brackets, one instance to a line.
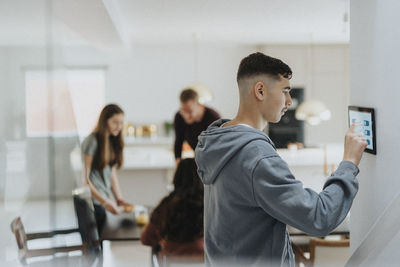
[258, 63]
[183, 218]
[116, 142]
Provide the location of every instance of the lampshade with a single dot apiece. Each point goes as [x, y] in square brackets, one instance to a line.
[204, 93]
[313, 112]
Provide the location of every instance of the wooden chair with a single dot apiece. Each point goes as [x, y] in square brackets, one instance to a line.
[324, 252]
[87, 229]
[84, 211]
[301, 247]
[22, 241]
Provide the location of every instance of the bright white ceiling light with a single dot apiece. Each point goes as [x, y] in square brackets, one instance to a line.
[313, 112]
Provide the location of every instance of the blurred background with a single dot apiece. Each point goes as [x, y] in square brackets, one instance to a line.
[62, 61]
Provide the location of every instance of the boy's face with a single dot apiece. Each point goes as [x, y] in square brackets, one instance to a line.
[277, 100]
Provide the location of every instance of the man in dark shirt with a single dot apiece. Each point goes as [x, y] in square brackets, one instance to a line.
[191, 120]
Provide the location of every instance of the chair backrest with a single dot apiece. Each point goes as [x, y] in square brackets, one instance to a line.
[86, 219]
[329, 252]
[22, 239]
[19, 231]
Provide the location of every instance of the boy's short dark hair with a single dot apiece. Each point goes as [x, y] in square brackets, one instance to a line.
[258, 63]
[188, 94]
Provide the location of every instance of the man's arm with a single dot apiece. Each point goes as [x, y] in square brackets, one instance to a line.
[179, 126]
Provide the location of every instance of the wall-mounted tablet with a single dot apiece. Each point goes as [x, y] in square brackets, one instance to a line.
[366, 118]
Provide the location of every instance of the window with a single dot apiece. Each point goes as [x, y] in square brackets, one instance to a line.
[63, 102]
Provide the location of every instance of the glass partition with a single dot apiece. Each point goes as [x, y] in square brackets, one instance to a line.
[45, 105]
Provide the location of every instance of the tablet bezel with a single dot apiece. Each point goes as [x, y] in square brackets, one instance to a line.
[373, 122]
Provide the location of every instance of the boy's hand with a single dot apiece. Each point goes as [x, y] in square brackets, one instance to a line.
[354, 145]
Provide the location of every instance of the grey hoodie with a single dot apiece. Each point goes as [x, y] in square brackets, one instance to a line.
[250, 196]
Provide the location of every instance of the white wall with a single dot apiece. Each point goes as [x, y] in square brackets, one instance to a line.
[322, 70]
[374, 57]
[31, 180]
[2, 125]
[146, 82]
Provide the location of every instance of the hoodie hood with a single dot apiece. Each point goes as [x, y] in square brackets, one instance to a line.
[216, 146]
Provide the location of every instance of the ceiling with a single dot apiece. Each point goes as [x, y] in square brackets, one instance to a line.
[124, 22]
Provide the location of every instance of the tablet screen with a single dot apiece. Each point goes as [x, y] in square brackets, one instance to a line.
[366, 117]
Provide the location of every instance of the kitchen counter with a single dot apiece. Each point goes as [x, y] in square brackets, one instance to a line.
[149, 165]
[313, 156]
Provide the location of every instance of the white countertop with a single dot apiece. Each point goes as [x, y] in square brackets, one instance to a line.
[313, 156]
[158, 154]
[149, 141]
[140, 154]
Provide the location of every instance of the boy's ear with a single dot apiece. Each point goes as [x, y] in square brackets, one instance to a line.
[259, 90]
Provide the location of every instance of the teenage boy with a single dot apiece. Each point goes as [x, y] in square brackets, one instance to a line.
[250, 193]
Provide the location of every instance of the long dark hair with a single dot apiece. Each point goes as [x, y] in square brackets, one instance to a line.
[116, 142]
[183, 221]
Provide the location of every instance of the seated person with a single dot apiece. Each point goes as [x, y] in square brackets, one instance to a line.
[176, 224]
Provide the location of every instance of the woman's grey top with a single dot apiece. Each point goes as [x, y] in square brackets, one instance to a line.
[101, 179]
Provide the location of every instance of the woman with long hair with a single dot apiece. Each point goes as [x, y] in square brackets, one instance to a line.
[103, 155]
[176, 224]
